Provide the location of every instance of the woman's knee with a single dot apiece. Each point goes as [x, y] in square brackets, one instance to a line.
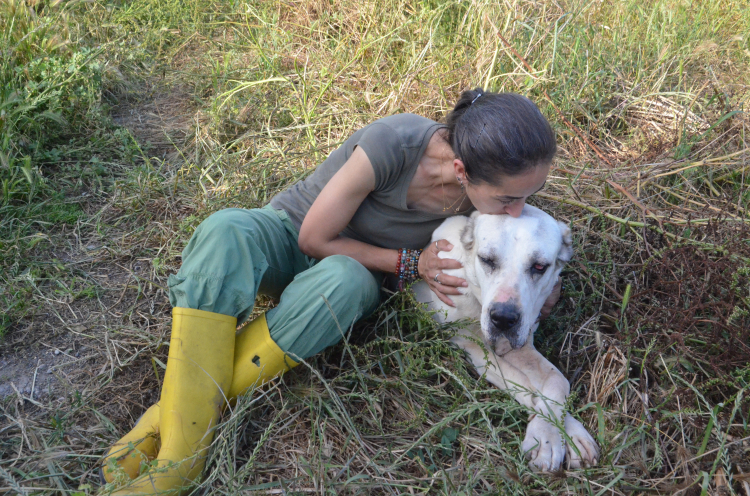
[224, 223]
[224, 237]
[322, 303]
[342, 269]
[222, 266]
[349, 277]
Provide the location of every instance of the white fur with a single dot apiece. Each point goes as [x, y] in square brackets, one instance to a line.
[514, 246]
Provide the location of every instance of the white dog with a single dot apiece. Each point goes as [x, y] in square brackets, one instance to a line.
[512, 265]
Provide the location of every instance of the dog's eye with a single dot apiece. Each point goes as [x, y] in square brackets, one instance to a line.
[538, 268]
[488, 262]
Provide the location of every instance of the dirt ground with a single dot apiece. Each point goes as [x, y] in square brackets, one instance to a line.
[81, 337]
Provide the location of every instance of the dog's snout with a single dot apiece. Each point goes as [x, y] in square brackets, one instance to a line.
[504, 316]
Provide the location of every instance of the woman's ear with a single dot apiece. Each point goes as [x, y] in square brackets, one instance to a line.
[459, 170]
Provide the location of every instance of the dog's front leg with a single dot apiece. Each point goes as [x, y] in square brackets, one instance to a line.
[496, 370]
[537, 384]
[544, 443]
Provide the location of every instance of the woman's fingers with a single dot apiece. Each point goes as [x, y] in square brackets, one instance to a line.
[431, 268]
[449, 263]
[442, 245]
[443, 290]
[443, 298]
[450, 284]
[438, 264]
[430, 262]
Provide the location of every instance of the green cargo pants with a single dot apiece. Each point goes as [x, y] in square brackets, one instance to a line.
[235, 254]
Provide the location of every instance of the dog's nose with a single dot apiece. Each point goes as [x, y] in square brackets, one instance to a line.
[504, 316]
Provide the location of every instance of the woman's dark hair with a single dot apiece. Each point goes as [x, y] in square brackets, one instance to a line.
[496, 134]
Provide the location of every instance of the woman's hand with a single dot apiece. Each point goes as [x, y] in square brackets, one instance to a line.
[432, 266]
[551, 300]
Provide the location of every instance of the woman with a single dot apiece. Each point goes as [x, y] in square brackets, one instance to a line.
[323, 247]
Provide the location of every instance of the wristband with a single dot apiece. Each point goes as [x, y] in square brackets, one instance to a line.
[407, 268]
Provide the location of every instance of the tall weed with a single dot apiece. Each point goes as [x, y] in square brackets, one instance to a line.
[50, 91]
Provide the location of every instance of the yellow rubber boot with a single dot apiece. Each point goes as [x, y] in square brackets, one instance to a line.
[199, 373]
[257, 358]
[134, 450]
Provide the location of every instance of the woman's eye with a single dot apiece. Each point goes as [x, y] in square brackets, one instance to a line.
[539, 268]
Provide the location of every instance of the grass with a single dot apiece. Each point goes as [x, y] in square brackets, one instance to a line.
[124, 124]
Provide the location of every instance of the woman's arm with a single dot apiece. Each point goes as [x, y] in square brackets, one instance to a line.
[334, 208]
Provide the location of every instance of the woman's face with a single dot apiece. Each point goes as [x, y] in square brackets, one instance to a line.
[509, 196]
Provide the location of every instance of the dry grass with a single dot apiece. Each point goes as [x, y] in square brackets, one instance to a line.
[226, 103]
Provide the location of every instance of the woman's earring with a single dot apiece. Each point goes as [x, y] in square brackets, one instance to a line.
[460, 182]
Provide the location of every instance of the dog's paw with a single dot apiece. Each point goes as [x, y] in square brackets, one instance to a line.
[543, 445]
[588, 451]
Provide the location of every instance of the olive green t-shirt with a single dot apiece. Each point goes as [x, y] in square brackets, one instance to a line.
[394, 146]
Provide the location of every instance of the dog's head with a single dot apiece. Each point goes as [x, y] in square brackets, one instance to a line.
[515, 263]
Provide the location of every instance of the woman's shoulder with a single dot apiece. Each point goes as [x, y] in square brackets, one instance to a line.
[405, 121]
[410, 128]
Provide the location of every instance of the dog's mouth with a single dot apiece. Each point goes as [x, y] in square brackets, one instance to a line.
[498, 339]
[500, 346]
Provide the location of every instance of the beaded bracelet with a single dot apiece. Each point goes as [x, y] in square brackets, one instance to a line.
[407, 268]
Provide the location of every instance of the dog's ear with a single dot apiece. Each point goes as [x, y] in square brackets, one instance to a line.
[566, 250]
[467, 235]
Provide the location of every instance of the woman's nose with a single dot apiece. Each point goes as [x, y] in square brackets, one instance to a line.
[515, 209]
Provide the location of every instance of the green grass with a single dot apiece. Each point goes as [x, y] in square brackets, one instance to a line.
[124, 124]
